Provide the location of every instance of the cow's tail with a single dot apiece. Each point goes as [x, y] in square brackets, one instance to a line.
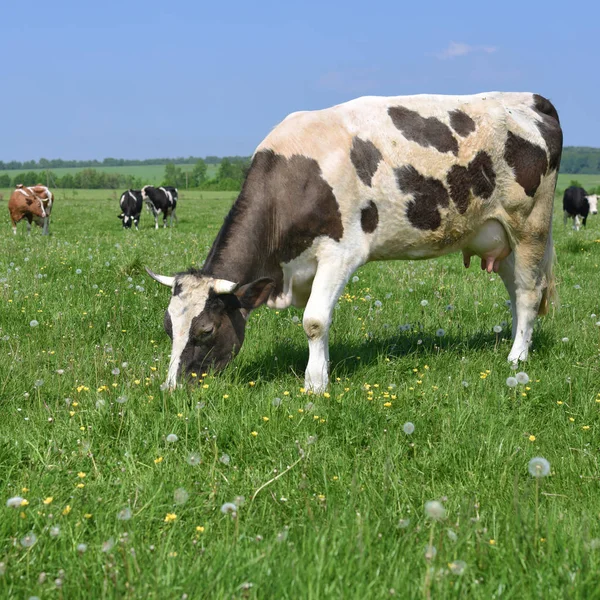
[549, 295]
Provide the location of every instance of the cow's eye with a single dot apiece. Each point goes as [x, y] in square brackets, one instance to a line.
[205, 332]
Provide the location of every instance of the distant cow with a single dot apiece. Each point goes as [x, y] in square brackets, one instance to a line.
[577, 203]
[33, 204]
[131, 204]
[161, 200]
[408, 177]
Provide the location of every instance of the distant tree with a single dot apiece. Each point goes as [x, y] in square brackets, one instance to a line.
[198, 175]
[4, 180]
[173, 175]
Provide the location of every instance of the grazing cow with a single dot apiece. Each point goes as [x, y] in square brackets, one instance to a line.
[376, 178]
[577, 203]
[33, 204]
[162, 199]
[131, 203]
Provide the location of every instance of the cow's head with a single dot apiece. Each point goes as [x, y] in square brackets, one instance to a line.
[593, 202]
[127, 220]
[206, 320]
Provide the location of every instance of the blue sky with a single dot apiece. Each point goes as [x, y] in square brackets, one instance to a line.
[181, 77]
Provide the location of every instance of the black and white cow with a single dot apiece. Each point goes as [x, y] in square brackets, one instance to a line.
[376, 178]
[161, 200]
[578, 203]
[131, 204]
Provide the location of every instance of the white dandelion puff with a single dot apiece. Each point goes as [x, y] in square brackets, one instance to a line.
[54, 531]
[116, 371]
[440, 333]
[522, 377]
[377, 304]
[276, 402]
[435, 510]
[28, 540]
[538, 467]
[193, 459]
[81, 548]
[497, 329]
[124, 514]
[225, 459]
[403, 523]
[424, 302]
[430, 552]
[355, 279]
[122, 399]
[457, 567]
[565, 340]
[78, 271]
[180, 496]
[452, 535]
[511, 382]
[408, 428]
[108, 545]
[229, 508]
[39, 383]
[172, 438]
[15, 502]
[33, 323]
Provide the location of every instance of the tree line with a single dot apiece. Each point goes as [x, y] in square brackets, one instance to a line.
[45, 164]
[229, 177]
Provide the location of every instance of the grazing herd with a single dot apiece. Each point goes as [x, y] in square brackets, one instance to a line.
[376, 178]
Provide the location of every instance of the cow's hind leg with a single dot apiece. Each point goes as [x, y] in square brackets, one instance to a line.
[507, 273]
[46, 226]
[329, 281]
[531, 273]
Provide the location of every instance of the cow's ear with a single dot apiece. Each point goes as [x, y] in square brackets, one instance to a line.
[253, 294]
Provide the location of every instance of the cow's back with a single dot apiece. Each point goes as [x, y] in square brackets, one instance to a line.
[434, 167]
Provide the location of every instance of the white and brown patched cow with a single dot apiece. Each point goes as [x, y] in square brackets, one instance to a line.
[376, 178]
[33, 204]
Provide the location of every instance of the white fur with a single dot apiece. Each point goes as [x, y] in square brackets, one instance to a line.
[593, 202]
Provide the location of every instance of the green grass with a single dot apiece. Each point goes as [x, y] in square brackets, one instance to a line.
[345, 521]
[151, 174]
[587, 181]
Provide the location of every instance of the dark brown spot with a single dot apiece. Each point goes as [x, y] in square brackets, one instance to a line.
[177, 288]
[528, 161]
[550, 129]
[284, 205]
[365, 157]
[369, 217]
[428, 193]
[168, 324]
[479, 177]
[425, 131]
[461, 122]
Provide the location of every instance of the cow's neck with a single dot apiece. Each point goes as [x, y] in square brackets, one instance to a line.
[243, 249]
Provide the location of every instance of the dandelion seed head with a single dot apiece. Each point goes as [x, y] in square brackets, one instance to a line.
[172, 438]
[355, 279]
[457, 567]
[100, 403]
[511, 382]
[39, 383]
[497, 329]
[522, 377]
[430, 552]
[377, 304]
[440, 333]
[81, 548]
[54, 531]
[408, 428]
[229, 508]
[78, 271]
[33, 323]
[403, 523]
[538, 467]
[225, 459]
[565, 340]
[276, 402]
[180, 496]
[108, 545]
[435, 510]
[15, 502]
[28, 540]
[193, 459]
[116, 371]
[124, 514]
[122, 399]
[452, 535]
[424, 302]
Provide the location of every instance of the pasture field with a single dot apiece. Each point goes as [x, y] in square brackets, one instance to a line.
[151, 174]
[124, 486]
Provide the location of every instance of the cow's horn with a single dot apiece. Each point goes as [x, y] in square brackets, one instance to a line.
[222, 286]
[161, 278]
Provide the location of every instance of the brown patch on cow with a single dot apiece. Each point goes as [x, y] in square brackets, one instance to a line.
[528, 161]
[425, 131]
[284, 205]
[428, 193]
[479, 178]
[365, 157]
[461, 122]
[369, 217]
[550, 128]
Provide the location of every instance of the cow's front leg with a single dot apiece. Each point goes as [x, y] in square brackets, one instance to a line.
[155, 220]
[45, 229]
[327, 286]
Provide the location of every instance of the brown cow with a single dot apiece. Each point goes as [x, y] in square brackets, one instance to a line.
[33, 204]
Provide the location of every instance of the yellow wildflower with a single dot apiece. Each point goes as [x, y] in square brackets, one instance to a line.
[170, 517]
